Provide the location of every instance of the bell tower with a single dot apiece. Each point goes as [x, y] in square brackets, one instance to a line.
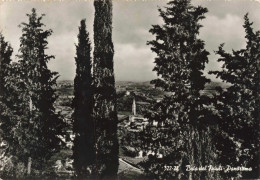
[134, 107]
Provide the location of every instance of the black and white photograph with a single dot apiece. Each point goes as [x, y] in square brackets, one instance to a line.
[129, 89]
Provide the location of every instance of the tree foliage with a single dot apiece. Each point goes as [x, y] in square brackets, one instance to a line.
[5, 102]
[183, 130]
[238, 105]
[104, 111]
[83, 126]
[38, 126]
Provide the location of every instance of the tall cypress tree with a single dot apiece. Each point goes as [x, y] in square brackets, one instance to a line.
[105, 111]
[239, 106]
[83, 126]
[182, 135]
[40, 126]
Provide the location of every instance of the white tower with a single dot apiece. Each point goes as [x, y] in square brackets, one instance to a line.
[134, 107]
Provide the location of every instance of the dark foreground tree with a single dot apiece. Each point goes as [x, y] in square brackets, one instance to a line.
[11, 115]
[83, 151]
[238, 107]
[105, 111]
[39, 126]
[5, 102]
[182, 135]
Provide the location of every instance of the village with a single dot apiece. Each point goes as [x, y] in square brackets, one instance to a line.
[133, 99]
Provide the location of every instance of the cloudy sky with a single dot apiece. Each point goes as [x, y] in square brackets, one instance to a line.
[131, 23]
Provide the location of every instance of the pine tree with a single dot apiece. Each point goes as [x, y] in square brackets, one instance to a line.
[183, 129]
[83, 126]
[39, 126]
[238, 106]
[105, 111]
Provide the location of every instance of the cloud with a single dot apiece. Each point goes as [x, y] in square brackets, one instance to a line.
[131, 23]
[218, 30]
[228, 29]
[133, 63]
[224, 24]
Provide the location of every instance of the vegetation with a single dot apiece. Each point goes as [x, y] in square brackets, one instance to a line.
[238, 106]
[5, 60]
[105, 109]
[6, 121]
[83, 126]
[182, 136]
[37, 125]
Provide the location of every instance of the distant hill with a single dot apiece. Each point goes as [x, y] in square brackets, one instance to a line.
[212, 85]
[69, 81]
[131, 83]
[209, 86]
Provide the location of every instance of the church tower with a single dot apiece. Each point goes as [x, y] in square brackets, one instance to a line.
[134, 107]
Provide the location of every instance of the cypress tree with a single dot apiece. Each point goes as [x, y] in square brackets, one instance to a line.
[238, 106]
[182, 136]
[40, 126]
[83, 126]
[104, 110]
